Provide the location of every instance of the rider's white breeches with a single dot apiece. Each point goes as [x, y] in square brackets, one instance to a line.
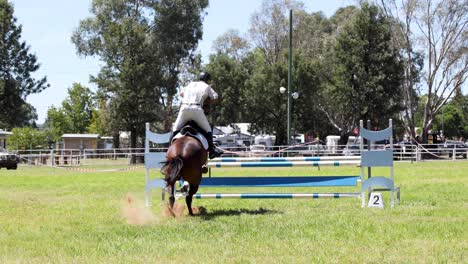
[194, 113]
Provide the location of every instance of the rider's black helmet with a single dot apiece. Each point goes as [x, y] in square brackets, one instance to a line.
[205, 77]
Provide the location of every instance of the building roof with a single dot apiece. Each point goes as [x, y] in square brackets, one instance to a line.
[80, 136]
[5, 133]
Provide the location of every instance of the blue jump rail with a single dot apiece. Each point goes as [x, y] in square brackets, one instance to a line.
[299, 181]
[284, 163]
[275, 195]
[280, 181]
[277, 159]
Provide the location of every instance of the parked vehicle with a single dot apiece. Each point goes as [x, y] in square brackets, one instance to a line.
[8, 160]
[257, 148]
[352, 150]
[459, 147]
[403, 149]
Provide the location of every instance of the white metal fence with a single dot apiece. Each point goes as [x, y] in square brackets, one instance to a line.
[125, 156]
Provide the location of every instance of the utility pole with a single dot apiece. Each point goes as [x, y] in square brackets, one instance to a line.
[289, 77]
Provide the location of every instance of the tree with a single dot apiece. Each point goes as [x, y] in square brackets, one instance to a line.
[453, 119]
[16, 67]
[229, 74]
[74, 116]
[228, 81]
[176, 31]
[438, 29]
[141, 62]
[265, 107]
[100, 117]
[248, 79]
[27, 138]
[450, 122]
[231, 44]
[368, 73]
[307, 81]
[117, 33]
[57, 123]
[78, 106]
[270, 26]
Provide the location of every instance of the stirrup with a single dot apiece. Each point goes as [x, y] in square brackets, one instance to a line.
[211, 155]
[215, 153]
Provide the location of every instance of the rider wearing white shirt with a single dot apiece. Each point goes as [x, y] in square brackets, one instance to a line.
[194, 96]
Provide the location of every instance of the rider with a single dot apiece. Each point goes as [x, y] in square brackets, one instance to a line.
[194, 96]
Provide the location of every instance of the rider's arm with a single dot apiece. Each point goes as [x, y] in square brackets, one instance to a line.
[212, 95]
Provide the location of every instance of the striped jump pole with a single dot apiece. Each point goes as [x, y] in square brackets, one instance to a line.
[284, 163]
[285, 159]
[275, 195]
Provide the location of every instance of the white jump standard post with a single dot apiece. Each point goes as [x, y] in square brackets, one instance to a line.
[377, 158]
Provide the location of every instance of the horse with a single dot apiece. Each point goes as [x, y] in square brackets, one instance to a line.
[184, 159]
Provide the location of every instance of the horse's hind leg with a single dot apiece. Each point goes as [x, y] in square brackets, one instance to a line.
[188, 199]
[171, 191]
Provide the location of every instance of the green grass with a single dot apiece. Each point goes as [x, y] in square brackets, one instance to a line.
[59, 216]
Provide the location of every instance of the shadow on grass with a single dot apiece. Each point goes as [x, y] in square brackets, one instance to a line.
[210, 215]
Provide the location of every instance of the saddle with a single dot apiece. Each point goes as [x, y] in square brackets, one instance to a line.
[191, 129]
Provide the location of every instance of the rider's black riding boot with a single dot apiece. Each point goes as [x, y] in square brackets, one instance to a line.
[213, 152]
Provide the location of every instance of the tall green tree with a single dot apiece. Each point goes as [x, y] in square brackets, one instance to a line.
[17, 65]
[232, 44]
[130, 77]
[248, 79]
[75, 114]
[142, 45]
[56, 124]
[228, 81]
[100, 116]
[437, 30]
[453, 118]
[27, 138]
[265, 106]
[368, 73]
[78, 106]
[176, 30]
[270, 26]
[450, 122]
[230, 72]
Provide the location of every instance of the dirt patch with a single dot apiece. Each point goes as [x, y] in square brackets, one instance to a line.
[180, 210]
[135, 213]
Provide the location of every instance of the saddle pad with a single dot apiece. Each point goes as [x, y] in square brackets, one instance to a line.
[197, 136]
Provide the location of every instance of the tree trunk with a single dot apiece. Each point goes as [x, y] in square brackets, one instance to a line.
[133, 141]
[169, 117]
[116, 139]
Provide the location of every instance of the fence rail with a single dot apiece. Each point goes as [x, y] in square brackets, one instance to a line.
[77, 157]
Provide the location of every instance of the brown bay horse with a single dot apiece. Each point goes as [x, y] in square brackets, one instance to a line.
[184, 159]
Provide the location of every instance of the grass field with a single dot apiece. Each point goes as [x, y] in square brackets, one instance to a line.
[52, 215]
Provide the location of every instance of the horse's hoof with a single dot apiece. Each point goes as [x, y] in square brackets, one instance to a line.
[197, 211]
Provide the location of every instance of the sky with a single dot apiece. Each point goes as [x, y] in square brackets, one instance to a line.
[48, 24]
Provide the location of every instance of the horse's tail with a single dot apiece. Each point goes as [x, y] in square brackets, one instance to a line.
[171, 169]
